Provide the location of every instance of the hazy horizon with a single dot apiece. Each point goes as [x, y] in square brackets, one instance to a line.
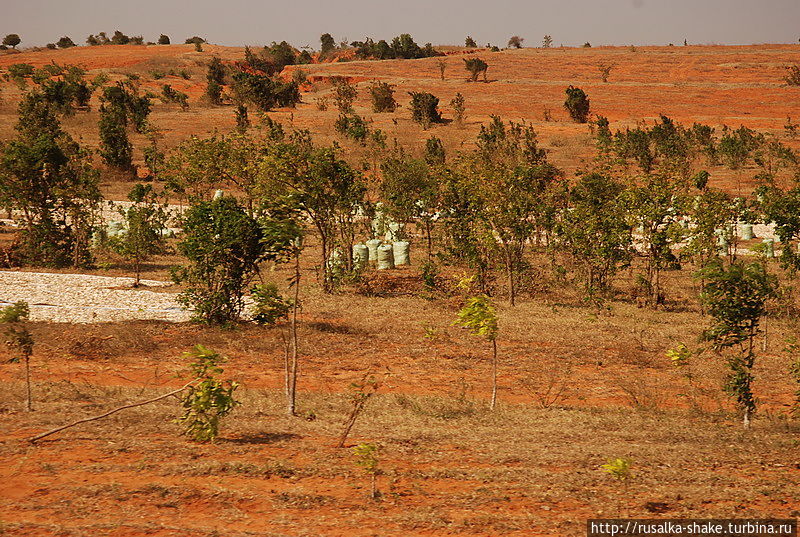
[569, 22]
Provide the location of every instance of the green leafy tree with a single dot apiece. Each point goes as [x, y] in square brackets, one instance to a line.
[327, 44]
[736, 297]
[410, 192]
[710, 211]
[20, 340]
[547, 41]
[119, 38]
[115, 148]
[327, 191]
[145, 221]
[12, 40]
[264, 91]
[515, 41]
[49, 178]
[577, 104]
[595, 230]
[120, 107]
[208, 401]
[657, 207]
[781, 207]
[194, 40]
[223, 245]
[282, 228]
[65, 42]
[476, 66]
[480, 317]
[216, 80]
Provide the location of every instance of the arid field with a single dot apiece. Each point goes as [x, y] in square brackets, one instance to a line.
[579, 383]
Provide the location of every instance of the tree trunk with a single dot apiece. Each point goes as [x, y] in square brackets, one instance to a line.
[28, 401]
[292, 358]
[510, 274]
[429, 239]
[494, 375]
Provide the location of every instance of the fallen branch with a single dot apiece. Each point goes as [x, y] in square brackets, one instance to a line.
[114, 411]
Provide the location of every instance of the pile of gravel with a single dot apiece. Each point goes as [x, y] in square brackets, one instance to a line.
[83, 298]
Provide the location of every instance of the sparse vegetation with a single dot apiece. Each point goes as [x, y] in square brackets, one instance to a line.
[590, 233]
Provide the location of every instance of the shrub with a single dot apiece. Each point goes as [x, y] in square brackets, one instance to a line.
[470, 43]
[434, 151]
[304, 58]
[382, 95]
[51, 46]
[281, 54]
[353, 126]
[242, 119]
[198, 47]
[605, 70]
[515, 41]
[793, 76]
[223, 246]
[171, 95]
[577, 104]
[210, 400]
[424, 108]
[194, 40]
[163, 40]
[269, 306]
[264, 91]
[547, 41]
[476, 66]
[458, 109]
[344, 94]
